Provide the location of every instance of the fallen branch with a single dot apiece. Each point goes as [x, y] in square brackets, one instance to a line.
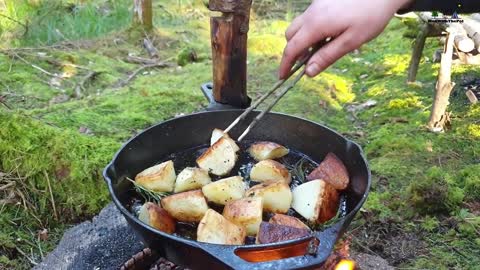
[138, 70]
[80, 86]
[140, 60]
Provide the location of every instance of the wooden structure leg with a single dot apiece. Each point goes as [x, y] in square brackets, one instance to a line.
[417, 52]
[439, 117]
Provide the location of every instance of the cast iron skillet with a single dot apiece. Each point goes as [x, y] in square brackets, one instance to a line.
[312, 139]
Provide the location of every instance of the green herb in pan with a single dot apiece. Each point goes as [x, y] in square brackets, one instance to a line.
[147, 194]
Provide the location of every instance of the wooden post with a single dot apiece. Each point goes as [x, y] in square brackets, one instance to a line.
[439, 117]
[142, 13]
[417, 52]
[229, 51]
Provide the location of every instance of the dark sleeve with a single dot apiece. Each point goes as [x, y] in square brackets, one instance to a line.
[444, 6]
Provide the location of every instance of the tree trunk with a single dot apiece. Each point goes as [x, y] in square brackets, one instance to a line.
[417, 52]
[142, 13]
[439, 117]
[229, 51]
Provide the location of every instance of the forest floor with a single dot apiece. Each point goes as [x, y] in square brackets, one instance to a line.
[66, 107]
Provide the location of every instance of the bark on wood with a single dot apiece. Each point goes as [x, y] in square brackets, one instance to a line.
[460, 58]
[439, 117]
[152, 51]
[473, 30]
[229, 51]
[142, 13]
[417, 52]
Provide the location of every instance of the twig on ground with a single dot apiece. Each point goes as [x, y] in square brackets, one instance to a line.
[2, 101]
[36, 67]
[138, 70]
[51, 195]
[25, 25]
[26, 256]
[81, 84]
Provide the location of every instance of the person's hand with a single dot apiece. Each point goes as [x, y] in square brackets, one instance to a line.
[349, 23]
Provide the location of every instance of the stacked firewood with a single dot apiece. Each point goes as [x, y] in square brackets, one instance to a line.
[461, 39]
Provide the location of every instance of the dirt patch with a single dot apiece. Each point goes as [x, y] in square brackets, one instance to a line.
[390, 241]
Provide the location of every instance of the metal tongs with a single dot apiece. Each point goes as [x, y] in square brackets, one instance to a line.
[276, 86]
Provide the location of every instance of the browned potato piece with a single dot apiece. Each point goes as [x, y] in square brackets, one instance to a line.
[288, 221]
[159, 178]
[157, 217]
[269, 171]
[273, 233]
[187, 206]
[190, 179]
[316, 201]
[267, 150]
[277, 197]
[216, 229]
[246, 212]
[217, 134]
[333, 171]
[220, 158]
[225, 190]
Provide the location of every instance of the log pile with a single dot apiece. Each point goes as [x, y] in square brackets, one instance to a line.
[461, 47]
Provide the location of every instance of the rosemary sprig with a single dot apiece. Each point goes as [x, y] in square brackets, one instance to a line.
[298, 169]
[147, 194]
[323, 226]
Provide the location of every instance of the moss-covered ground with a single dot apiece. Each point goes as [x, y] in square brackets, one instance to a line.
[424, 208]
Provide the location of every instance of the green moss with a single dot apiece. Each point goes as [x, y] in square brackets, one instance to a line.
[403, 103]
[470, 177]
[435, 193]
[430, 223]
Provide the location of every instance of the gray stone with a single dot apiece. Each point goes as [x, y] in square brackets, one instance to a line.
[103, 243]
[366, 261]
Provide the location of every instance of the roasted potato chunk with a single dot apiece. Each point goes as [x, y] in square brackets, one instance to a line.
[269, 171]
[157, 217]
[159, 178]
[333, 171]
[288, 221]
[225, 190]
[216, 135]
[273, 233]
[246, 212]
[220, 158]
[191, 178]
[187, 206]
[216, 229]
[316, 201]
[267, 150]
[277, 197]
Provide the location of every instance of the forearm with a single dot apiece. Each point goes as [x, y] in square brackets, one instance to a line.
[444, 6]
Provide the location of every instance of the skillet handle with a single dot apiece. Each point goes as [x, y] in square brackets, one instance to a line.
[302, 254]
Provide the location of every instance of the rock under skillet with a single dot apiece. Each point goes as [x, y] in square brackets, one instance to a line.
[103, 243]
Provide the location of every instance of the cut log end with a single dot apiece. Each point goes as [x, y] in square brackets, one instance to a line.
[464, 44]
